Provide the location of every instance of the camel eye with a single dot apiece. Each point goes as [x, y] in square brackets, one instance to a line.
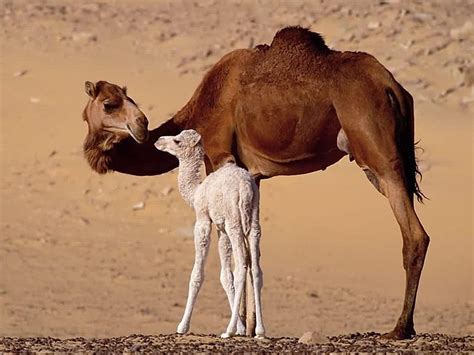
[176, 141]
[110, 106]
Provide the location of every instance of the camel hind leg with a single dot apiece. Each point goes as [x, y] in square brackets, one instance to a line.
[389, 180]
[375, 143]
[415, 245]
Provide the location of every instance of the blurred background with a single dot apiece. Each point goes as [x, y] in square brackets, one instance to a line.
[89, 255]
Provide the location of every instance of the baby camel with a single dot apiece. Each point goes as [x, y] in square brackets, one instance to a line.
[229, 198]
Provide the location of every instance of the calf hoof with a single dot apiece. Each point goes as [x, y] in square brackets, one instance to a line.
[240, 328]
[226, 335]
[182, 328]
[260, 337]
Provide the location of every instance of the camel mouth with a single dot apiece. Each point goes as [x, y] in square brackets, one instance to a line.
[140, 136]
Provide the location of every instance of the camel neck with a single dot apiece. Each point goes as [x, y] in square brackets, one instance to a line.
[129, 157]
[189, 176]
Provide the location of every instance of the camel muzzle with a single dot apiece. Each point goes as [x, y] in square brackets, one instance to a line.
[139, 130]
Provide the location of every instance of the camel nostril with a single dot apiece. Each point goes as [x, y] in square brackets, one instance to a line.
[142, 121]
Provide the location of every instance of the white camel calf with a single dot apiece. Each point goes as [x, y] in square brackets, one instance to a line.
[229, 198]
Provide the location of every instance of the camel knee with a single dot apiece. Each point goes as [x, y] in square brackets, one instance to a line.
[374, 180]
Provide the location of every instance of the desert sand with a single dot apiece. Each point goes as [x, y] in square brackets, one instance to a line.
[84, 255]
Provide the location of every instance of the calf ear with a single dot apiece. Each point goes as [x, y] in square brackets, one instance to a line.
[90, 89]
[195, 139]
[124, 89]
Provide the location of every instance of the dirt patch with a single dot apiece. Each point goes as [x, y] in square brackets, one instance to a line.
[368, 342]
[102, 256]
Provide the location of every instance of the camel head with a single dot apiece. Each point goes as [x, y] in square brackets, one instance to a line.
[111, 117]
[185, 145]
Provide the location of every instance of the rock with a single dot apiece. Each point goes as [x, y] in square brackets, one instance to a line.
[468, 76]
[20, 73]
[166, 190]
[388, 2]
[84, 220]
[139, 206]
[313, 338]
[422, 17]
[84, 37]
[373, 25]
[446, 92]
[463, 31]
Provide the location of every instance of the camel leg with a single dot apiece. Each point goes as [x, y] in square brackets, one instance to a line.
[415, 245]
[202, 231]
[226, 277]
[240, 258]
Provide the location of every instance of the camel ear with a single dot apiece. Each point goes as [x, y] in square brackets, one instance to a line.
[90, 89]
[124, 89]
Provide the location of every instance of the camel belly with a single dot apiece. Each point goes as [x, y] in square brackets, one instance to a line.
[286, 137]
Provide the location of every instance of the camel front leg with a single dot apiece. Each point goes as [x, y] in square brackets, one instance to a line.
[202, 231]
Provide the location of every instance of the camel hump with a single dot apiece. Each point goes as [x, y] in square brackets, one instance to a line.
[297, 37]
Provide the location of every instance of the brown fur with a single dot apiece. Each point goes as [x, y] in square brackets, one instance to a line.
[278, 109]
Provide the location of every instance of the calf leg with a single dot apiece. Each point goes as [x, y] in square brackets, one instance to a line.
[227, 278]
[257, 276]
[240, 259]
[202, 231]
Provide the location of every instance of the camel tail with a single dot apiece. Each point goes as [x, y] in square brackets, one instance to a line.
[245, 206]
[405, 136]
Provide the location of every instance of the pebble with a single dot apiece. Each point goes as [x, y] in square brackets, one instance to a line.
[20, 73]
[139, 206]
[35, 100]
[468, 75]
[166, 190]
[313, 338]
[84, 37]
[373, 25]
[463, 31]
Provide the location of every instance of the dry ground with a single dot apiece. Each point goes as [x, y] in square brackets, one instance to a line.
[77, 259]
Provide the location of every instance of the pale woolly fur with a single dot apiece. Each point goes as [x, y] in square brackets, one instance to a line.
[229, 198]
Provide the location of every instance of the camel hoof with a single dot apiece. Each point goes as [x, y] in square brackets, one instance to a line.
[225, 335]
[260, 337]
[398, 334]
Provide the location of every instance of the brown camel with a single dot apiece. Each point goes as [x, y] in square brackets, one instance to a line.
[290, 108]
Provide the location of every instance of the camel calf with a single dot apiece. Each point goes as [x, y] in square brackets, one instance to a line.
[229, 198]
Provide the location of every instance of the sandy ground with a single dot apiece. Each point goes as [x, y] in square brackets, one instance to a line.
[77, 259]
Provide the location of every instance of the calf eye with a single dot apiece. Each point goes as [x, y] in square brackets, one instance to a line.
[176, 140]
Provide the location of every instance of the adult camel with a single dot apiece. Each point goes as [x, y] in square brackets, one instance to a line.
[290, 108]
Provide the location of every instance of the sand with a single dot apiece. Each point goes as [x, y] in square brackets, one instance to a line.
[84, 255]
